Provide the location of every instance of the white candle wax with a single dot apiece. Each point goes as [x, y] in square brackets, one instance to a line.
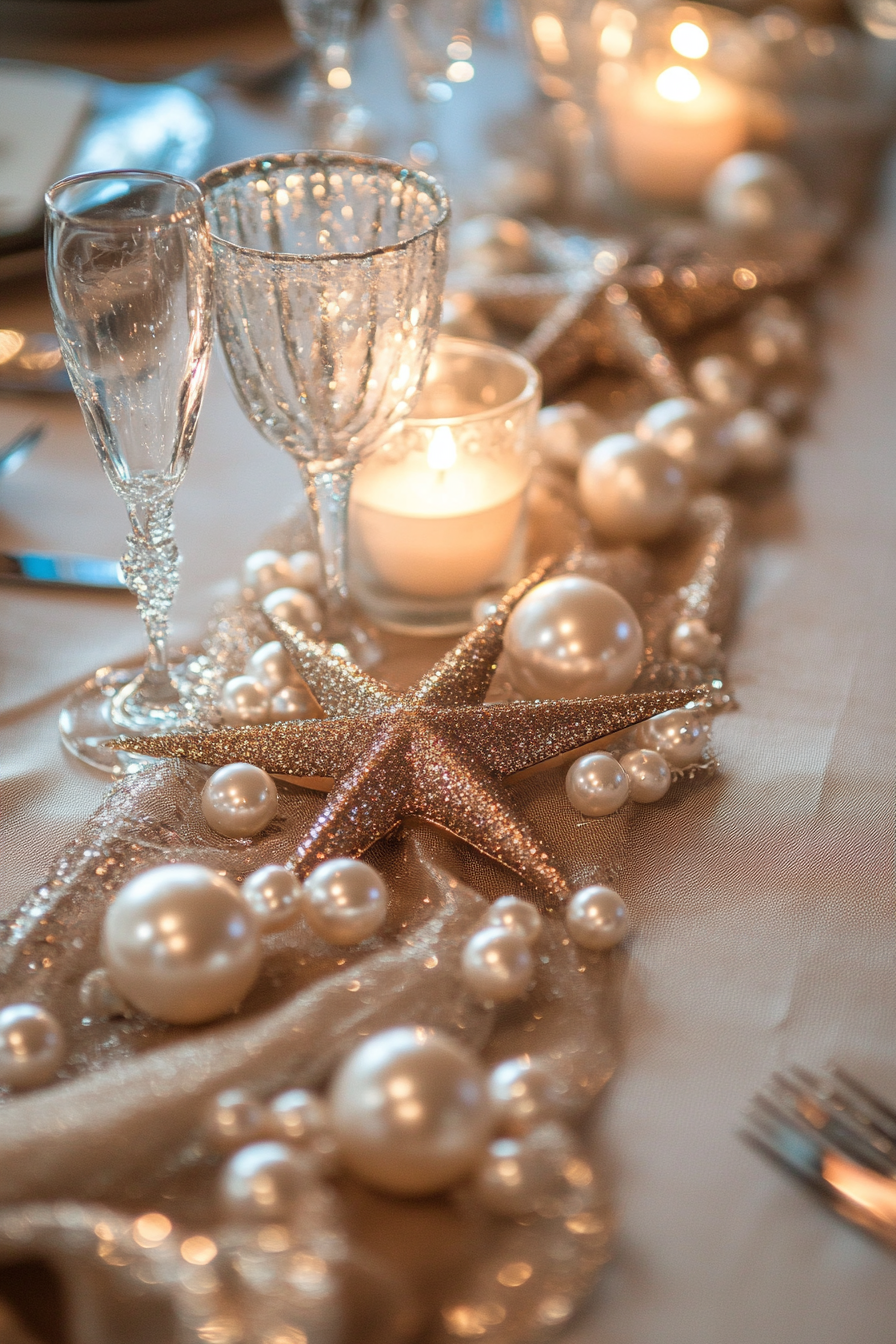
[669, 131]
[437, 524]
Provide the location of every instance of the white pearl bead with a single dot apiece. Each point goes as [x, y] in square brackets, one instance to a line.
[275, 895]
[723, 381]
[681, 735]
[524, 1176]
[564, 433]
[345, 901]
[572, 636]
[648, 773]
[99, 999]
[270, 666]
[245, 701]
[294, 702]
[264, 1181]
[265, 571]
[755, 440]
[523, 1093]
[411, 1111]
[239, 800]
[752, 190]
[496, 965]
[596, 918]
[684, 429]
[181, 944]
[306, 570]
[520, 917]
[693, 642]
[32, 1046]
[304, 1119]
[235, 1118]
[295, 608]
[631, 491]
[596, 784]
[776, 333]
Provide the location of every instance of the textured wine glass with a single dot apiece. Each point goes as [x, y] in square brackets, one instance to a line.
[130, 275]
[329, 271]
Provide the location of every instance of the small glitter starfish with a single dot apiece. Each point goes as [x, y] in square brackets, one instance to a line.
[435, 751]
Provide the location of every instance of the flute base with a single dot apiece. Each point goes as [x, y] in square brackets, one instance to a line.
[94, 714]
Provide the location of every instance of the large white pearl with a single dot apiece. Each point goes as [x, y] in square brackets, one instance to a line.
[516, 915]
[752, 190]
[572, 637]
[523, 1093]
[345, 901]
[235, 1118]
[294, 702]
[630, 490]
[496, 965]
[597, 918]
[295, 608]
[270, 666]
[239, 800]
[596, 784]
[410, 1108]
[275, 894]
[181, 944]
[305, 568]
[265, 571]
[693, 642]
[264, 1181]
[564, 433]
[684, 429]
[32, 1046]
[524, 1176]
[303, 1118]
[755, 440]
[648, 773]
[723, 381]
[245, 701]
[681, 735]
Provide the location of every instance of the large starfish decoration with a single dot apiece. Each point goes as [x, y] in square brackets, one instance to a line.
[435, 751]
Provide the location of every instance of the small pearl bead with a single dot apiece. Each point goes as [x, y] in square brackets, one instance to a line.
[631, 490]
[755, 439]
[234, 1118]
[239, 800]
[275, 894]
[683, 428]
[524, 1176]
[270, 666]
[245, 701]
[181, 944]
[523, 1093]
[597, 918]
[496, 965]
[520, 917]
[264, 1181]
[265, 571]
[680, 735]
[693, 642]
[648, 773]
[295, 608]
[294, 702]
[723, 381]
[32, 1046]
[597, 784]
[98, 997]
[305, 569]
[411, 1111]
[345, 901]
[303, 1118]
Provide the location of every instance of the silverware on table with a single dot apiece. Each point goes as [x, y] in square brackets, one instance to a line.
[61, 571]
[15, 452]
[836, 1136]
[31, 362]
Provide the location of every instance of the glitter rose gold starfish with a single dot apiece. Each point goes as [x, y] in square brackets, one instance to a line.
[435, 751]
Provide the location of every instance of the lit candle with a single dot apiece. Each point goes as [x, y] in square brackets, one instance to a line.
[435, 513]
[668, 131]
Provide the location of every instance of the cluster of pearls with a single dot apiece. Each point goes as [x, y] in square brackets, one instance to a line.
[598, 783]
[496, 962]
[269, 691]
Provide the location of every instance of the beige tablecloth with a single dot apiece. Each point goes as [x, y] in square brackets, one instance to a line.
[765, 927]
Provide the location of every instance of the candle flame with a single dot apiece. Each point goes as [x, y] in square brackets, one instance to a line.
[678, 85]
[442, 451]
[689, 40]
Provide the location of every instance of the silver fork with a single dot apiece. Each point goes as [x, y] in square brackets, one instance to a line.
[838, 1137]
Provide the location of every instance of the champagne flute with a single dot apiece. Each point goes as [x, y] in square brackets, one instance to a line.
[329, 270]
[130, 275]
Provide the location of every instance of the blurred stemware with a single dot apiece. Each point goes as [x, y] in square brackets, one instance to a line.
[130, 278]
[329, 270]
[323, 29]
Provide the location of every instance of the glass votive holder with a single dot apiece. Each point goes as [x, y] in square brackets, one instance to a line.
[437, 513]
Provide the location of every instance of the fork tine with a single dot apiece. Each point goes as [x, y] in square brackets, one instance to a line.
[884, 1112]
[828, 1109]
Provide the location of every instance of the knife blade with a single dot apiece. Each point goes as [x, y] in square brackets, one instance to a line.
[61, 571]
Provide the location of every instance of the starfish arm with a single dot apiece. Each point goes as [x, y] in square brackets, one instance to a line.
[512, 737]
[363, 806]
[452, 792]
[313, 747]
[339, 686]
[464, 675]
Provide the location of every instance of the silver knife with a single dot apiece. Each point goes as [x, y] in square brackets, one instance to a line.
[61, 571]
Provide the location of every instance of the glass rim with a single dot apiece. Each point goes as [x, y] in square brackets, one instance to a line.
[122, 174]
[531, 387]
[242, 167]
